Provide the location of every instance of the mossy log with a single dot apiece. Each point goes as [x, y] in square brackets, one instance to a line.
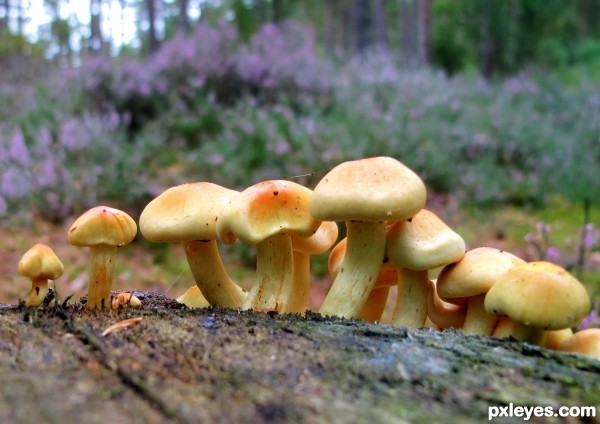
[176, 365]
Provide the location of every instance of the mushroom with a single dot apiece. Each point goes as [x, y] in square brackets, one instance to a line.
[188, 213]
[303, 247]
[415, 246]
[443, 314]
[538, 296]
[554, 338]
[192, 298]
[267, 215]
[467, 281]
[364, 194]
[126, 300]
[585, 342]
[375, 304]
[103, 229]
[41, 264]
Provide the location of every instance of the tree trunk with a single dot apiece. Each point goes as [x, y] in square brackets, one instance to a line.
[183, 21]
[167, 364]
[381, 36]
[152, 37]
[95, 45]
[362, 26]
[424, 29]
[5, 8]
[408, 31]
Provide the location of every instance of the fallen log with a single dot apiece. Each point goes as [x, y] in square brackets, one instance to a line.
[168, 364]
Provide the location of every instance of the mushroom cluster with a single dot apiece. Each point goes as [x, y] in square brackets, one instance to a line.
[391, 240]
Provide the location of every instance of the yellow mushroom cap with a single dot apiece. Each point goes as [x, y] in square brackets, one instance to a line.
[185, 212]
[423, 242]
[265, 209]
[475, 273]
[585, 342]
[539, 294]
[102, 225]
[373, 189]
[40, 261]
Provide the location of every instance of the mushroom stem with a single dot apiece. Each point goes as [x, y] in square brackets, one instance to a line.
[39, 290]
[301, 286]
[210, 274]
[375, 304]
[273, 288]
[411, 298]
[102, 259]
[477, 320]
[359, 271]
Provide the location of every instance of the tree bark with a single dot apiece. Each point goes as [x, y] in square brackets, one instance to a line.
[168, 364]
[152, 37]
[183, 21]
[95, 26]
[381, 36]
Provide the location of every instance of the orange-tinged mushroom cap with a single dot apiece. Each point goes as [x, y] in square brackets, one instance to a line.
[102, 225]
[265, 209]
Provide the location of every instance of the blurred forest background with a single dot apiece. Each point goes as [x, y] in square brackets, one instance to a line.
[494, 103]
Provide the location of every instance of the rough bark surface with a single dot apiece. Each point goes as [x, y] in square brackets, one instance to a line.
[191, 366]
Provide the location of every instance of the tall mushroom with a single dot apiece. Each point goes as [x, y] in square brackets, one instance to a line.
[415, 246]
[103, 229]
[467, 281]
[267, 215]
[538, 296]
[41, 264]
[364, 194]
[188, 213]
[375, 304]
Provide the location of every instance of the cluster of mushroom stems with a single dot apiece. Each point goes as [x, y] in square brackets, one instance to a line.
[391, 240]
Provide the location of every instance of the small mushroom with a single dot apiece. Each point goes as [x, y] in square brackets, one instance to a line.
[364, 194]
[538, 296]
[126, 300]
[193, 298]
[41, 264]
[103, 229]
[416, 246]
[585, 342]
[467, 281]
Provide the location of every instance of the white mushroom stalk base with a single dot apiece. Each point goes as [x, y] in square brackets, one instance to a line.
[102, 258]
[210, 275]
[477, 320]
[274, 284]
[411, 299]
[359, 271]
[39, 290]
